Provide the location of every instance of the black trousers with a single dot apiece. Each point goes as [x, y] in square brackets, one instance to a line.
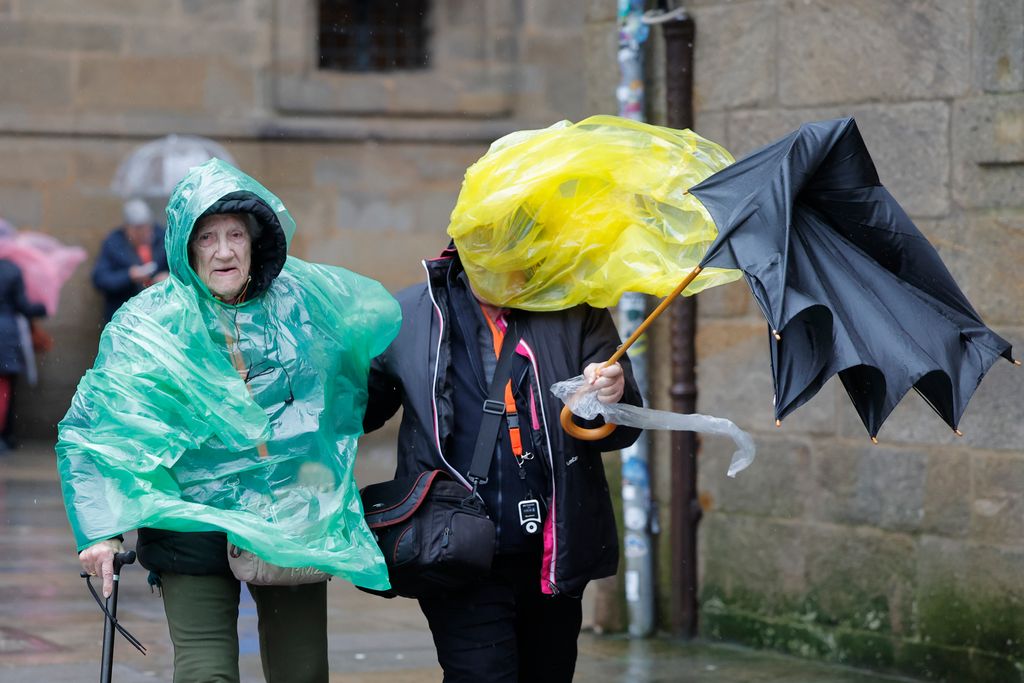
[503, 629]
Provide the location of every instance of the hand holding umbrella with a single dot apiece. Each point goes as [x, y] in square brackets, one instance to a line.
[606, 380]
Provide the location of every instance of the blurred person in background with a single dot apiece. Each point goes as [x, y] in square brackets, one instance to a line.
[13, 303]
[35, 267]
[132, 258]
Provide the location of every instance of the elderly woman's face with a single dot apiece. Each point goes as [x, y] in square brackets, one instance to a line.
[221, 250]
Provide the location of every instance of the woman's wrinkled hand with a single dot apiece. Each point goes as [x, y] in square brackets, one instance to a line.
[609, 382]
[98, 560]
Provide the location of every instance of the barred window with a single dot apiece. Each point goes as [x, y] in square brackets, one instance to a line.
[373, 35]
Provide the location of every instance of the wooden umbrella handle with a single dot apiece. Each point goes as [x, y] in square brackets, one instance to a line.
[596, 433]
[583, 433]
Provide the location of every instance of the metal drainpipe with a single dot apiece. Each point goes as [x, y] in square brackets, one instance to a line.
[685, 511]
[637, 511]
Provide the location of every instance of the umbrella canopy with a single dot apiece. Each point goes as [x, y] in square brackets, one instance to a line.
[846, 281]
[45, 263]
[153, 169]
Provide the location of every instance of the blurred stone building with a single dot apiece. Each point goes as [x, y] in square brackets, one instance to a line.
[905, 555]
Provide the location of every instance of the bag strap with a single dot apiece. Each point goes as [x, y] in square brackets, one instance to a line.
[494, 409]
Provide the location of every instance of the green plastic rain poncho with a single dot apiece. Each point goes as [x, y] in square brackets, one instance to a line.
[165, 432]
[583, 212]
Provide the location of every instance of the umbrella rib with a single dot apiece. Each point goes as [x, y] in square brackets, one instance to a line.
[881, 305]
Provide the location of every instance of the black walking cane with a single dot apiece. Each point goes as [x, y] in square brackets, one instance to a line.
[110, 623]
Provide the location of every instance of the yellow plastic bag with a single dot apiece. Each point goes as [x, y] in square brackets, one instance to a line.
[583, 212]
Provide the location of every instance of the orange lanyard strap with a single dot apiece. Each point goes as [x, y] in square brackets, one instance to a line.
[511, 415]
[236, 360]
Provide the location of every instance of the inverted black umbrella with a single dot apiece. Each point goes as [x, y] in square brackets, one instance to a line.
[846, 281]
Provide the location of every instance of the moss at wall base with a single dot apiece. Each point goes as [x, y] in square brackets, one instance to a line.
[795, 635]
[972, 618]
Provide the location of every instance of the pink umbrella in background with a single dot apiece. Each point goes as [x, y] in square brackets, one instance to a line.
[45, 262]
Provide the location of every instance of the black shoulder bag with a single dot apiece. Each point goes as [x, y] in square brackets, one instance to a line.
[435, 534]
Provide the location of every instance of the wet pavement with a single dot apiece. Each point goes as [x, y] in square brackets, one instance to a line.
[51, 630]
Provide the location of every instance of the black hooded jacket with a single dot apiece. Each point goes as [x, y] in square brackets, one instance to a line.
[13, 302]
[415, 373]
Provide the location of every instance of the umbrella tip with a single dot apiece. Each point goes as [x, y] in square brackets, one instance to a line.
[874, 440]
[778, 423]
[958, 432]
[775, 333]
[1016, 362]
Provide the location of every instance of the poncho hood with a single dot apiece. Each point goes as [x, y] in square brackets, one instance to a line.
[200, 415]
[219, 187]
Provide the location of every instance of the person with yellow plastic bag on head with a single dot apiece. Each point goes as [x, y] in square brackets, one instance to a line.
[223, 411]
[545, 491]
[550, 228]
[522, 229]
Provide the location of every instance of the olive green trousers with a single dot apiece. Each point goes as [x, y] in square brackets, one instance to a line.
[202, 614]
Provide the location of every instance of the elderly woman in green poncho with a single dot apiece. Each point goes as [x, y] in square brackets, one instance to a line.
[223, 410]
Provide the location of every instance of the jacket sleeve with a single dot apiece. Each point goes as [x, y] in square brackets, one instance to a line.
[109, 275]
[385, 396]
[599, 343]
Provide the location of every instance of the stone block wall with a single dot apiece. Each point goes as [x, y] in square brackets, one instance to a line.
[906, 555]
[369, 164]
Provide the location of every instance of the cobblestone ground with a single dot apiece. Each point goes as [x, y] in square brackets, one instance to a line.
[50, 629]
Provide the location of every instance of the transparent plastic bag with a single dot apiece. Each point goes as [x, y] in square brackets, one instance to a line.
[163, 431]
[581, 399]
[583, 212]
